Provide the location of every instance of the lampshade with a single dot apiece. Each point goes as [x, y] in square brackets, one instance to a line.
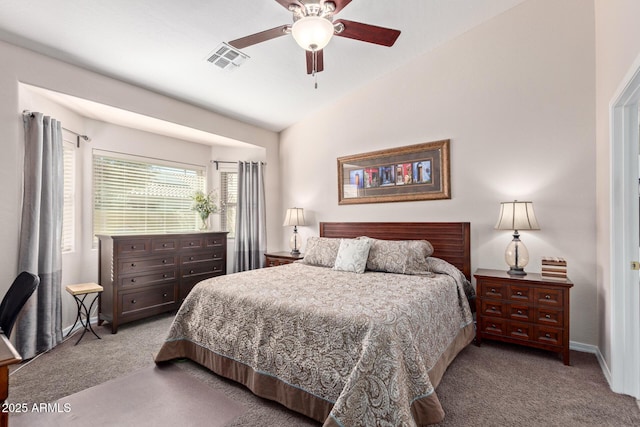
[517, 216]
[312, 32]
[294, 216]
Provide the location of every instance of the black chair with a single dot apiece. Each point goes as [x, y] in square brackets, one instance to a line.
[21, 289]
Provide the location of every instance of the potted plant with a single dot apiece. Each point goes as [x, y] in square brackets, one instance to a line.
[203, 204]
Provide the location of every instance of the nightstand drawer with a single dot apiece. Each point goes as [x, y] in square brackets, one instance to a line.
[549, 317]
[548, 335]
[550, 297]
[520, 293]
[493, 326]
[492, 308]
[492, 290]
[520, 312]
[521, 331]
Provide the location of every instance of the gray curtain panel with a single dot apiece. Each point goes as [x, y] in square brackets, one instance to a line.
[251, 233]
[39, 327]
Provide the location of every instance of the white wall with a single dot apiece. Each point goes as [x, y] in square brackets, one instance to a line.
[23, 66]
[617, 47]
[516, 97]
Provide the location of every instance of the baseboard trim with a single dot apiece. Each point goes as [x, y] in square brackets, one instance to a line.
[589, 348]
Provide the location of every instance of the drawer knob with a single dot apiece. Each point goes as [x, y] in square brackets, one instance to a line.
[519, 330]
[133, 301]
[133, 264]
[547, 296]
[133, 280]
[164, 276]
[164, 261]
[190, 258]
[164, 295]
[164, 245]
[519, 311]
[493, 325]
[190, 271]
[547, 335]
[493, 290]
[190, 243]
[133, 246]
[519, 293]
[548, 316]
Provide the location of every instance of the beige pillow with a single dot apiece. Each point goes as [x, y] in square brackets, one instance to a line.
[399, 256]
[321, 251]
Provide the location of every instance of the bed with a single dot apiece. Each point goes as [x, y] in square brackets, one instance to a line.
[343, 348]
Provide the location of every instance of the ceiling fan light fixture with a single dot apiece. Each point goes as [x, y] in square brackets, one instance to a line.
[312, 32]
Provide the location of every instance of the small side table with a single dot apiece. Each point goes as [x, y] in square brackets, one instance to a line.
[84, 313]
[274, 259]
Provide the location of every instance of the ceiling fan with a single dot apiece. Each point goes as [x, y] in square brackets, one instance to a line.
[313, 26]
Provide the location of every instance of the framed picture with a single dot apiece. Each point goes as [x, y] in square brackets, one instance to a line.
[414, 172]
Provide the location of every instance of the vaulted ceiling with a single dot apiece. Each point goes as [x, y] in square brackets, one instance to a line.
[163, 46]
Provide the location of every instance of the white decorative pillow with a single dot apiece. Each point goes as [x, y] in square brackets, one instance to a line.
[321, 251]
[352, 255]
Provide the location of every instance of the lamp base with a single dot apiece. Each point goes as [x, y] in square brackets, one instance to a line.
[295, 252]
[516, 271]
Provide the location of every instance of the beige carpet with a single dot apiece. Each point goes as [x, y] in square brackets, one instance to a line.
[154, 397]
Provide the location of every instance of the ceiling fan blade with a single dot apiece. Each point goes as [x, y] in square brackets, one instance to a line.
[319, 59]
[262, 36]
[368, 33]
[340, 4]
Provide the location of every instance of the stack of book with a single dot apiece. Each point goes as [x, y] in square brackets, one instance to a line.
[554, 268]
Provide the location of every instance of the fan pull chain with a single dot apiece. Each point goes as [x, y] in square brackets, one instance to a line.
[314, 68]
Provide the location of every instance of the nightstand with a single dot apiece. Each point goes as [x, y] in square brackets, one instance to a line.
[527, 310]
[274, 259]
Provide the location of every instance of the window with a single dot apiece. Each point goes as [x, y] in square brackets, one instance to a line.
[228, 202]
[138, 195]
[68, 210]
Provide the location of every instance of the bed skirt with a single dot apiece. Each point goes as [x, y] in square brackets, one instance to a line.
[426, 410]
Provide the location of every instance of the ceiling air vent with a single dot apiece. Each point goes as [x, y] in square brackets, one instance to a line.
[227, 57]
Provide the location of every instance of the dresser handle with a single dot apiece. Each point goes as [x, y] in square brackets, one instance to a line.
[493, 290]
[190, 243]
[190, 271]
[133, 280]
[164, 276]
[493, 325]
[164, 245]
[547, 335]
[133, 247]
[190, 258]
[547, 296]
[164, 295]
[133, 301]
[519, 330]
[519, 293]
[519, 311]
[133, 264]
[164, 261]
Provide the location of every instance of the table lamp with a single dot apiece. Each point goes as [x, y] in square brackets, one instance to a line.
[295, 217]
[516, 216]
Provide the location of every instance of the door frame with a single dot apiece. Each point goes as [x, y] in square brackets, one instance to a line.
[624, 310]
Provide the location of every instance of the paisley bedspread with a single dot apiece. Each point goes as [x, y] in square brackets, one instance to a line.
[346, 349]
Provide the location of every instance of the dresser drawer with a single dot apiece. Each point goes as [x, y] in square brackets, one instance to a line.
[204, 268]
[148, 279]
[520, 312]
[192, 243]
[132, 247]
[493, 326]
[212, 255]
[548, 297]
[492, 290]
[549, 317]
[492, 308]
[163, 244]
[148, 299]
[134, 266]
[215, 241]
[548, 335]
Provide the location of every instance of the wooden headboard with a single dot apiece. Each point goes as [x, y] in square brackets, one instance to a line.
[451, 240]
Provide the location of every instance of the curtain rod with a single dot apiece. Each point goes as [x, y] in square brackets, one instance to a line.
[85, 137]
[216, 162]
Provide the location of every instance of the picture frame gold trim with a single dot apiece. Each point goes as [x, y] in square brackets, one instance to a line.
[410, 173]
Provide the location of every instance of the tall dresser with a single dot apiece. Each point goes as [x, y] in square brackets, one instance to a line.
[144, 275]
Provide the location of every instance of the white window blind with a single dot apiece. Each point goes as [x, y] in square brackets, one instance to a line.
[139, 195]
[229, 202]
[68, 217]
